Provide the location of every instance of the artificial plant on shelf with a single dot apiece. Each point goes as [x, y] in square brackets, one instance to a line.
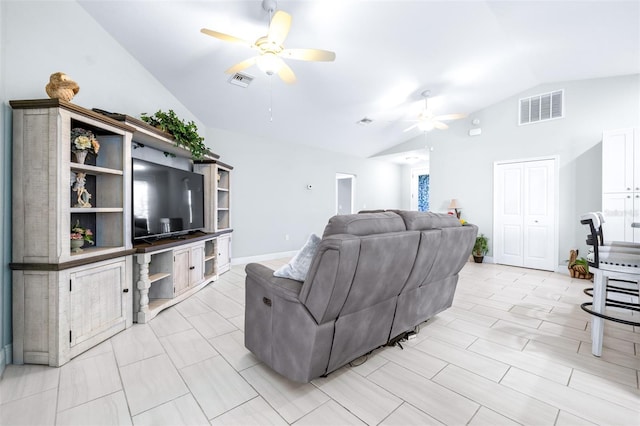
[83, 141]
[80, 233]
[185, 134]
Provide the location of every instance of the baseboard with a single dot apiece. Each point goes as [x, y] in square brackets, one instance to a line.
[5, 357]
[262, 257]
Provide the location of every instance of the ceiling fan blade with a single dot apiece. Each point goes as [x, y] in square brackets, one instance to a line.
[440, 125]
[279, 27]
[449, 117]
[411, 127]
[241, 65]
[286, 73]
[309, 54]
[226, 37]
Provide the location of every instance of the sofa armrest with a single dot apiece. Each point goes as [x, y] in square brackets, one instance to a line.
[263, 276]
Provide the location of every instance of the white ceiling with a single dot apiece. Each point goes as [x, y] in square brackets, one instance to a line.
[470, 54]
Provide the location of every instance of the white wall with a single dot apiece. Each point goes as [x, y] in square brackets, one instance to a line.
[269, 199]
[462, 166]
[5, 203]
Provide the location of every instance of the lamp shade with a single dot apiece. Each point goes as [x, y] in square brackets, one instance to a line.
[454, 204]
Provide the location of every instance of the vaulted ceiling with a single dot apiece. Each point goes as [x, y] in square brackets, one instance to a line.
[470, 54]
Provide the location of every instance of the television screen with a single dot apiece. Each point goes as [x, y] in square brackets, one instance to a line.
[166, 201]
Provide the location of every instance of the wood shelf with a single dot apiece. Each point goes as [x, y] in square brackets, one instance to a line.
[157, 277]
[95, 170]
[96, 209]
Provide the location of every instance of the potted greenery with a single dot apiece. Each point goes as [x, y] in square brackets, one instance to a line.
[185, 134]
[480, 248]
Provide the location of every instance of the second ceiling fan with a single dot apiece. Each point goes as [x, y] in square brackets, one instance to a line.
[427, 121]
[271, 49]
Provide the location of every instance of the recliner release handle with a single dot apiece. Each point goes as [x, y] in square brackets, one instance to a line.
[266, 301]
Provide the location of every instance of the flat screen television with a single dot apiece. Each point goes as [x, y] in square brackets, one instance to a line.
[166, 201]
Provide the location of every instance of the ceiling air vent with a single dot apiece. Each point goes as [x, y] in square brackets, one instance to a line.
[547, 106]
[240, 79]
[364, 121]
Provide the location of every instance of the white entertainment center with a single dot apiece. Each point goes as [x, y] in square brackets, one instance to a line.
[67, 301]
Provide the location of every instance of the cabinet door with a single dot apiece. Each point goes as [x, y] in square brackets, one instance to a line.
[97, 301]
[618, 161]
[181, 266]
[224, 253]
[618, 214]
[196, 269]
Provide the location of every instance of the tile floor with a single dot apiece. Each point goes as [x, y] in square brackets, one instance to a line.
[513, 349]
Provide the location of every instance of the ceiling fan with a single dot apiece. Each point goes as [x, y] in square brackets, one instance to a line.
[270, 47]
[427, 121]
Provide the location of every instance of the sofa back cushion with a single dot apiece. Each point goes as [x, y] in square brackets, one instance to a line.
[418, 221]
[364, 224]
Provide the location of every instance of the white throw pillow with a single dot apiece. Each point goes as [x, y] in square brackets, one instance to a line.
[298, 267]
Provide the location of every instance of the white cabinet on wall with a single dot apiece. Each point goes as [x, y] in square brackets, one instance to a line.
[621, 184]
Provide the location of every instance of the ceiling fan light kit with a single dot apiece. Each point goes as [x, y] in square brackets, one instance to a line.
[271, 49]
[426, 121]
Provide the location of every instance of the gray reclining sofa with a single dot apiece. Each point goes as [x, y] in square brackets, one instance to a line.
[374, 277]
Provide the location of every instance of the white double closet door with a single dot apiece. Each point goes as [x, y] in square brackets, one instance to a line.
[525, 216]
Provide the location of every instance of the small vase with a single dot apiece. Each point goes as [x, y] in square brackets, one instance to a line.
[76, 246]
[80, 156]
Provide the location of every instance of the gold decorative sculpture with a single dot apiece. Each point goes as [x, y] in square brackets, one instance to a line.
[61, 87]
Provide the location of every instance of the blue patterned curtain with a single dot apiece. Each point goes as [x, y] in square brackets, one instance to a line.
[423, 193]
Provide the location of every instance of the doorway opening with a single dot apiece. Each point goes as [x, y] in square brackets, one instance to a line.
[420, 189]
[345, 193]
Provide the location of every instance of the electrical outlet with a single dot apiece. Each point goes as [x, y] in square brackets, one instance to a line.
[286, 237]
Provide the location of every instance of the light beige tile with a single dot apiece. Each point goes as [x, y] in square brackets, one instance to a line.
[566, 419]
[21, 381]
[415, 360]
[523, 360]
[235, 293]
[623, 346]
[37, 409]
[600, 387]
[455, 313]
[533, 334]
[220, 303]
[625, 333]
[211, 324]
[253, 412]
[192, 306]
[216, 386]
[108, 410]
[151, 382]
[614, 357]
[447, 335]
[187, 347]
[369, 363]
[100, 349]
[507, 316]
[290, 399]
[552, 316]
[487, 367]
[408, 415]
[368, 402]
[487, 417]
[135, 344]
[86, 379]
[568, 399]
[590, 364]
[329, 414]
[437, 401]
[492, 334]
[487, 303]
[182, 411]
[231, 347]
[168, 322]
[501, 399]
[238, 321]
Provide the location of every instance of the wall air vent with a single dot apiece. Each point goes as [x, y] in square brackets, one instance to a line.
[240, 79]
[547, 106]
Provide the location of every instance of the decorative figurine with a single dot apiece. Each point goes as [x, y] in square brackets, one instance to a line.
[61, 87]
